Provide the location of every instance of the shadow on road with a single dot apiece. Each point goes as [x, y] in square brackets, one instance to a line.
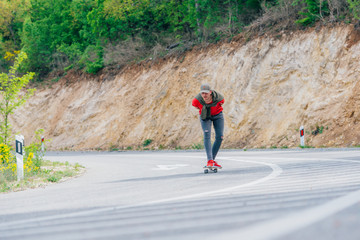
[220, 173]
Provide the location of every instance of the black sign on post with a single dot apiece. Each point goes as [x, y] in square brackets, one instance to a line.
[19, 147]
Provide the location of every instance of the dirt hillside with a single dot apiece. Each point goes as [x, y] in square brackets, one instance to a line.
[272, 85]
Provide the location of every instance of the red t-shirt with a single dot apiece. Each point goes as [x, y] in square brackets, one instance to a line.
[213, 110]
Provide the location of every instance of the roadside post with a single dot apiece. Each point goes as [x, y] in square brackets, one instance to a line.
[42, 145]
[19, 143]
[302, 137]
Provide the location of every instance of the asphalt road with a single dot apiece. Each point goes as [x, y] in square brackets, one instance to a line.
[292, 194]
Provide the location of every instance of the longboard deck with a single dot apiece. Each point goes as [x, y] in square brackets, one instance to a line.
[212, 169]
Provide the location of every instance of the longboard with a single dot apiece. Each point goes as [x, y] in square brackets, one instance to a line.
[211, 169]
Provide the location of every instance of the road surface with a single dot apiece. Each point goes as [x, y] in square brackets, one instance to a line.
[292, 194]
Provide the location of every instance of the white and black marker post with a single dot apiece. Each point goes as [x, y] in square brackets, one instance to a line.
[19, 142]
[302, 137]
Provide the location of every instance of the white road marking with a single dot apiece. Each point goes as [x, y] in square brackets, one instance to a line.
[306, 159]
[169, 167]
[276, 171]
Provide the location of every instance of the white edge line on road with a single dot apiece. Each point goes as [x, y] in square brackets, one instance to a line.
[276, 171]
[284, 225]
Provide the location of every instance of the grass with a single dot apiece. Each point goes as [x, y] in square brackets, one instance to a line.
[50, 172]
[113, 148]
[197, 146]
[305, 146]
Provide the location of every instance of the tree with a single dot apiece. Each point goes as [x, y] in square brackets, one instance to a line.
[12, 14]
[354, 6]
[12, 96]
[313, 10]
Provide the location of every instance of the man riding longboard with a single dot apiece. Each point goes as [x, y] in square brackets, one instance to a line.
[209, 102]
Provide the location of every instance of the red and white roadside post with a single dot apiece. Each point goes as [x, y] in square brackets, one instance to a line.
[19, 143]
[42, 144]
[302, 137]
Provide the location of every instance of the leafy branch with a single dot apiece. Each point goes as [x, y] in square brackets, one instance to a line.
[12, 95]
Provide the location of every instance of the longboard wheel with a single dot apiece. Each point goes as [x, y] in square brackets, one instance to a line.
[206, 171]
[215, 170]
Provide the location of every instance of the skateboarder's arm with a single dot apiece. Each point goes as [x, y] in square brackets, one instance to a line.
[196, 104]
[221, 102]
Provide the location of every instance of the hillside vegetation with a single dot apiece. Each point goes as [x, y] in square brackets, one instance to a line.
[89, 35]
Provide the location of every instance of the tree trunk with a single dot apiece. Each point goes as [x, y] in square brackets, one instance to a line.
[198, 19]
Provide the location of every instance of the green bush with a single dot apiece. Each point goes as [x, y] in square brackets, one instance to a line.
[92, 59]
[354, 6]
[8, 171]
[147, 142]
[35, 148]
[313, 10]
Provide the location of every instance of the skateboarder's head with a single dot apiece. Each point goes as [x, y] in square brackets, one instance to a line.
[205, 88]
[205, 91]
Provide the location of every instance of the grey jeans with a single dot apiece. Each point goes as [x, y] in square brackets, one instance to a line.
[218, 122]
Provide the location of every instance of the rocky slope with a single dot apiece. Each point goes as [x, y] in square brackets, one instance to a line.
[272, 85]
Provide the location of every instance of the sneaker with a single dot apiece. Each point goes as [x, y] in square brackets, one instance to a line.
[216, 164]
[210, 163]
